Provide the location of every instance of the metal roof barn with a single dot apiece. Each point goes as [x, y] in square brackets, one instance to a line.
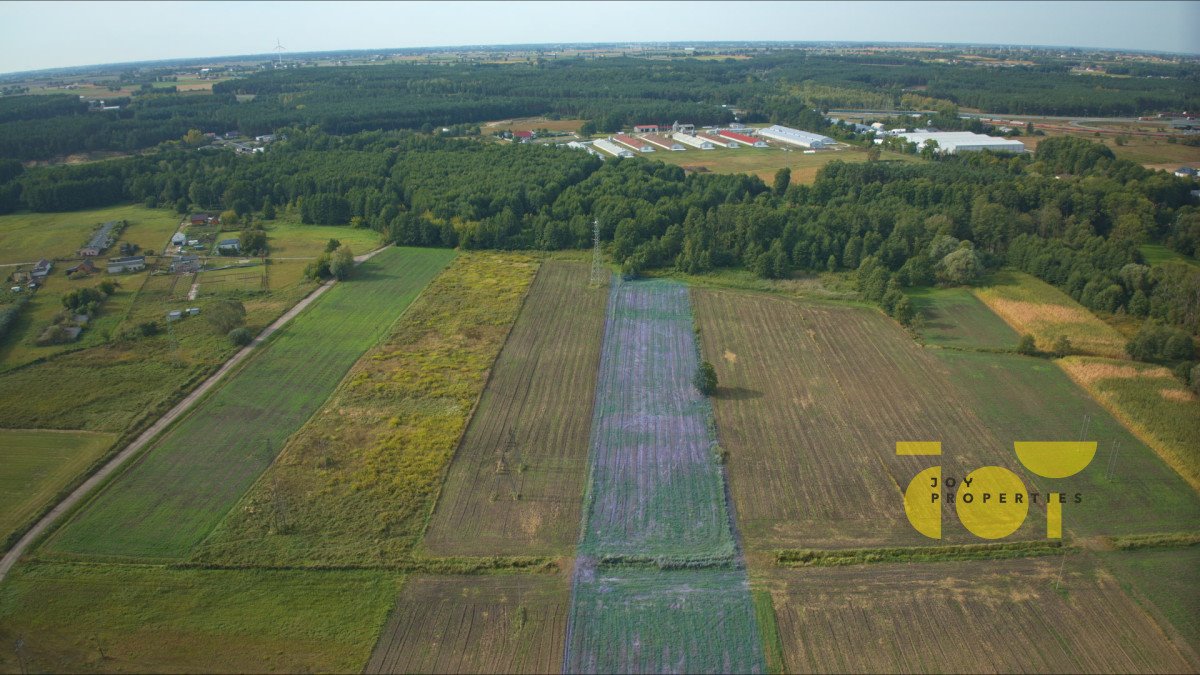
[804, 139]
[611, 148]
[953, 142]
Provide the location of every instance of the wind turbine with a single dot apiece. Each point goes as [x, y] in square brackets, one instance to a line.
[278, 53]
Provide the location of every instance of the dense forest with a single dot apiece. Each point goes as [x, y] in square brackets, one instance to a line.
[1072, 215]
[613, 92]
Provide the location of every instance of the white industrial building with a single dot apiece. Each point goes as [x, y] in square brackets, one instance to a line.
[791, 136]
[718, 141]
[611, 148]
[694, 141]
[664, 142]
[953, 142]
[634, 143]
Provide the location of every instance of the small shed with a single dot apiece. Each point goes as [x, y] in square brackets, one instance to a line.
[178, 239]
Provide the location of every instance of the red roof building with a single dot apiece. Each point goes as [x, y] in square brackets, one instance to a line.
[645, 129]
[743, 139]
[718, 141]
[635, 143]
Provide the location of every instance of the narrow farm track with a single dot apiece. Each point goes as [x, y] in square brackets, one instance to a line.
[43, 525]
[656, 493]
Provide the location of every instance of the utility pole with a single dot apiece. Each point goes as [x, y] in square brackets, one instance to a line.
[1112, 460]
[597, 277]
[19, 649]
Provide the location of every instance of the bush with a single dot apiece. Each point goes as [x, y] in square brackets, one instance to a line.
[241, 336]
[706, 378]
[342, 263]
[149, 328]
[1027, 345]
[1063, 347]
[225, 315]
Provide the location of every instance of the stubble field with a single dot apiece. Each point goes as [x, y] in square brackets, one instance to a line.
[516, 482]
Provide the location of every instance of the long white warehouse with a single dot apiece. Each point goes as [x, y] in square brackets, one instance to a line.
[953, 142]
[663, 142]
[694, 141]
[611, 148]
[791, 136]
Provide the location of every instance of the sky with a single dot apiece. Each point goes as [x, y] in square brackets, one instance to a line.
[36, 35]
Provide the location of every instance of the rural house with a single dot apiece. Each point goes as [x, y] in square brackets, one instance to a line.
[130, 264]
[41, 270]
[100, 241]
[229, 246]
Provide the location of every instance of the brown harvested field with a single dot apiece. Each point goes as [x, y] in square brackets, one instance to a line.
[811, 402]
[995, 616]
[530, 124]
[476, 624]
[516, 484]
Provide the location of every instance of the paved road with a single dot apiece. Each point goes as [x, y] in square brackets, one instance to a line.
[77, 495]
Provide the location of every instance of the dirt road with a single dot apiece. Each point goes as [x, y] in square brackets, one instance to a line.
[78, 494]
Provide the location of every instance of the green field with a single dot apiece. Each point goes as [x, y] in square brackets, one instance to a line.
[764, 162]
[1164, 582]
[37, 465]
[656, 621]
[174, 494]
[114, 618]
[1151, 402]
[356, 484]
[954, 317]
[1025, 399]
[27, 237]
[1032, 306]
[290, 239]
[1157, 254]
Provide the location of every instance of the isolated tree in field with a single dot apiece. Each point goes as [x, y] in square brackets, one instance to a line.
[1026, 345]
[241, 336]
[253, 242]
[225, 315]
[873, 153]
[332, 245]
[706, 378]
[783, 178]
[1062, 346]
[342, 263]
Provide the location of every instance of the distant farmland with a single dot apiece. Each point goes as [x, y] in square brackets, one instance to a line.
[516, 484]
[1002, 616]
[475, 624]
[172, 497]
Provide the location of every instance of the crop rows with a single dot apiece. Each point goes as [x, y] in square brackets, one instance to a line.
[655, 488]
[475, 624]
[173, 496]
[516, 483]
[948, 617]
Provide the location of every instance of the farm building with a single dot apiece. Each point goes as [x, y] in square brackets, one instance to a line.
[635, 143]
[204, 219]
[576, 145]
[645, 128]
[803, 139]
[41, 270]
[522, 136]
[101, 240]
[663, 142]
[718, 141]
[611, 148]
[178, 239]
[685, 128]
[1185, 172]
[694, 141]
[953, 142]
[84, 267]
[131, 264]
[184, 264]
[742, 139]
[229, 246]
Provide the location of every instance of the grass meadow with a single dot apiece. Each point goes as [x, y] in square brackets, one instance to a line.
[1151, 402]
[116, 618]
[175, 493]
[356, 485]
[764, 162]
[955, 318]
[1164, 583]
[37, 465]
[27, 237]
[1032, 306]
